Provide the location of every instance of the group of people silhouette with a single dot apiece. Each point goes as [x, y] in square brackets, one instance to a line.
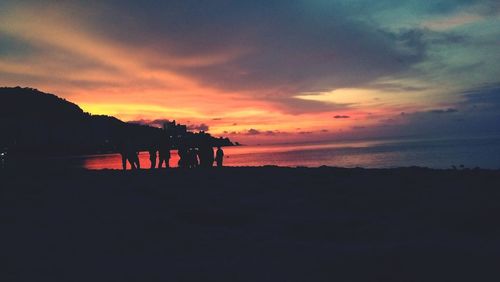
[192, 154]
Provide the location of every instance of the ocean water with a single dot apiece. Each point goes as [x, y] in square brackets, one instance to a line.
[441, 153]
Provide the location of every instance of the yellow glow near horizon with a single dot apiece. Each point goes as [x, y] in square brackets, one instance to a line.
[359, 96]
[133, 111]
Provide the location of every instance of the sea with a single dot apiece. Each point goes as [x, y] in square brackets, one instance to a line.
[440, 153]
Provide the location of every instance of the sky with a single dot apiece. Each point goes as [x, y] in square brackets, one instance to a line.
[266, 71]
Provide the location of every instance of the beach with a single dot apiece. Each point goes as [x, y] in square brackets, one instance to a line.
[250, 224]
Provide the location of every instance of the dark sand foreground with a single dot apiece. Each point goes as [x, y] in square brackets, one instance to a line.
[251, 224]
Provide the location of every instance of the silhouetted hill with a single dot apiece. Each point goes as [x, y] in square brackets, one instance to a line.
[30, 103]
[35, 122]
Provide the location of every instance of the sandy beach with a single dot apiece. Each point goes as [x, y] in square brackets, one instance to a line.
[250, 224]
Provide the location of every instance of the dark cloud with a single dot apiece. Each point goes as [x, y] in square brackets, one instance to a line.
[14, 48]
[154, 123]
[477, 113]
[276, 48]
[438, 7]
[443, 111]
[281, 48]
[421, 114]
[488, 95]
[198, 127]
[387, 120]
[414, 44]
[395, 86]
[308, 55]
[252, 131]
[340, 116]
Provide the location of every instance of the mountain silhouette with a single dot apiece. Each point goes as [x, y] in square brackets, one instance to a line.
[35, 122]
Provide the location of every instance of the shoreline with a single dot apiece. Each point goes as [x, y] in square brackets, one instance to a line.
[56, 169]
[251, 224]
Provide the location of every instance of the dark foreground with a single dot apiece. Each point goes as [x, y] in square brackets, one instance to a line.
[251, 224]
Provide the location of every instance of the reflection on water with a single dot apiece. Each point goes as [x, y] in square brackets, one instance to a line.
[440, 153]
[114, 161]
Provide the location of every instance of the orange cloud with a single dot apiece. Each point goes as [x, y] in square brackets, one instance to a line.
[134, 83]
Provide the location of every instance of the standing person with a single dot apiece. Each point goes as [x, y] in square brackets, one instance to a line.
[196, 163]
[193, 158]
[152, 156]
[128, 153]
[183, 153]
[219, 156]
[210, 155]
[164, 152]
[122, 149]
[133, 156]
[206, 152]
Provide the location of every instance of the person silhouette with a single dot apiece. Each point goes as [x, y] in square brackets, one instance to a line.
[152, 156]
[193, 158]
[164, 152]
[128, 153]
[219, 156]
[122, 150]
[210, 155]
[183, 153]
[133, 156]
[206, 152]
[189, 158]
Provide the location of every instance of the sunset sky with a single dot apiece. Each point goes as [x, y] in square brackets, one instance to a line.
[265, 70]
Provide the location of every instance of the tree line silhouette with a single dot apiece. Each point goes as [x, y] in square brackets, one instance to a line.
[33, 123]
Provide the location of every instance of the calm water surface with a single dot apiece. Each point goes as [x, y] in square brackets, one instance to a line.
[434, 153]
